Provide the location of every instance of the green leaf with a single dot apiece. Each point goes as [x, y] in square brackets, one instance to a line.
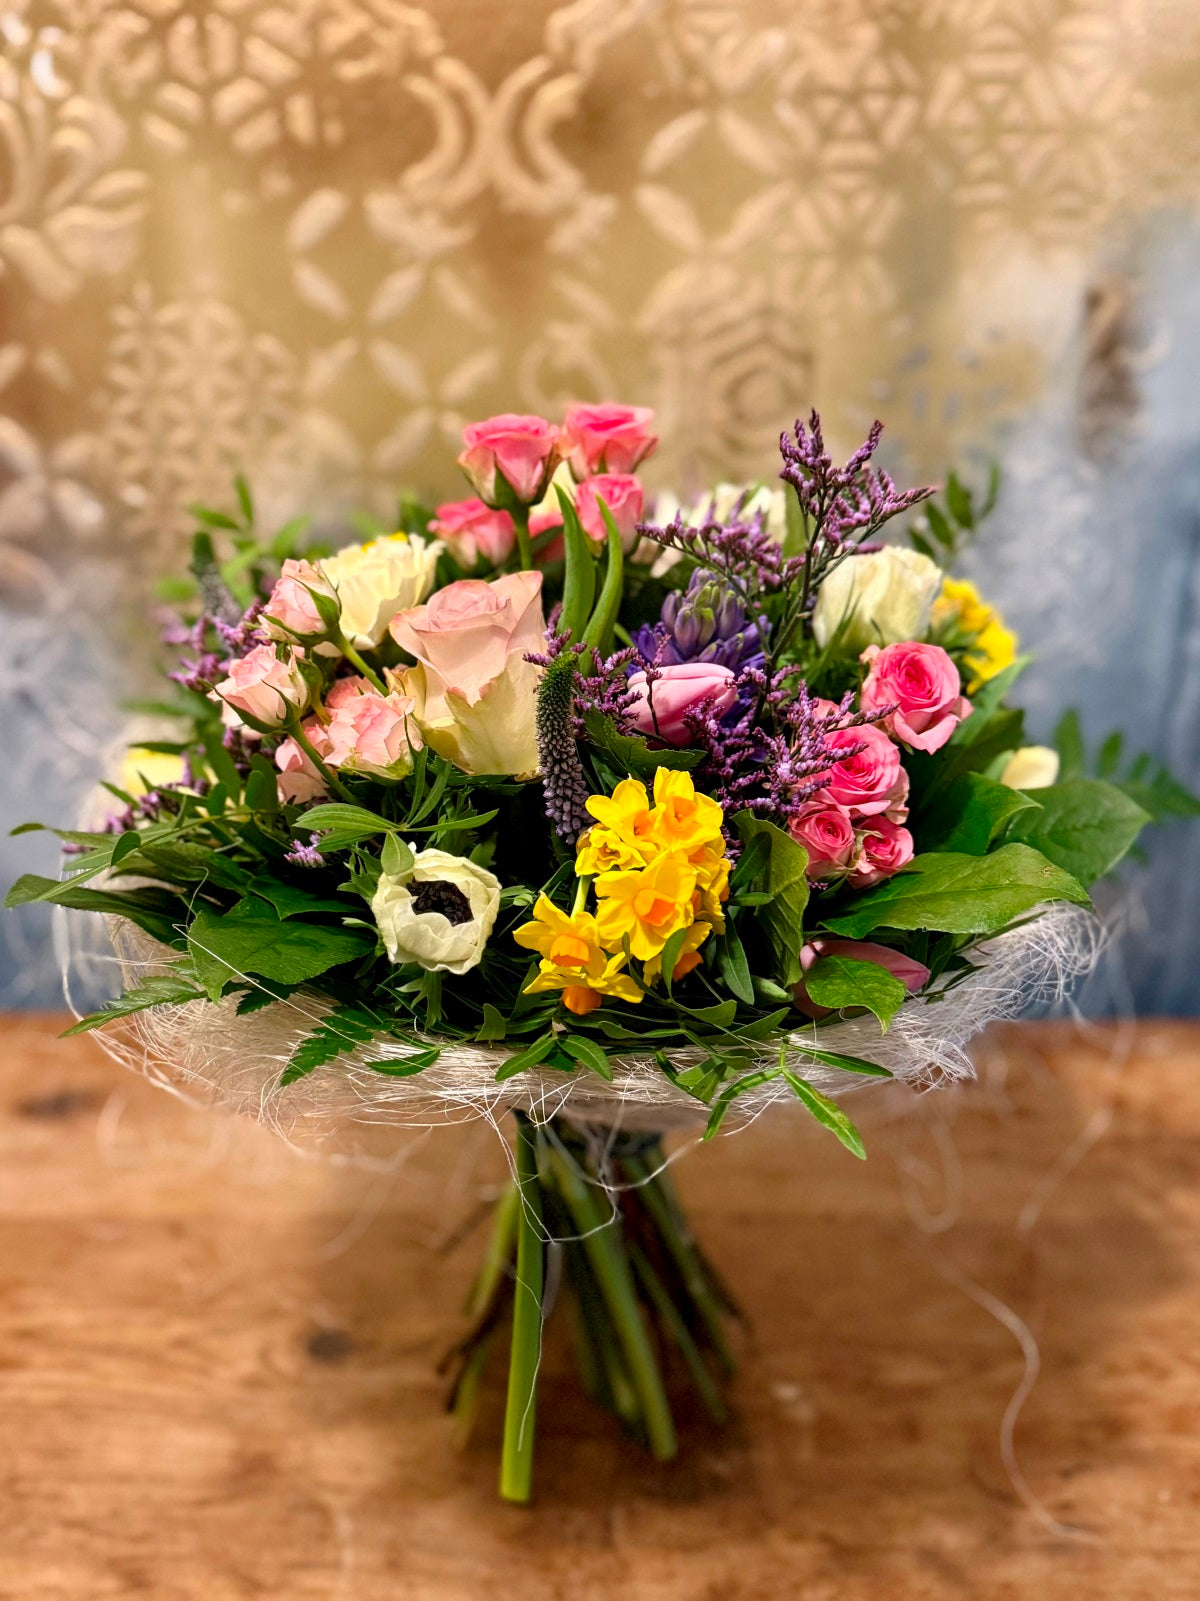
[262, 790]
[1084, 825]
[588, 1053]
[289, 900]
[129, 841]
[828, 1113]
[749, 1081]
[396, 859]
[248, 940]
[158, 989]
[529, 1057]
[969, 813]
[494, 1026]
[958, 498]
[1068, 741]
[629, 753]
[938, 527]
[343, 1029]
[406, 1066]
[960, 894]
[1109, 757]
[670, 955]
[347, 824]
[848, 1064]
[733, 966]
[986, 703]
[157, 911]
[841, 981]
[784, 878]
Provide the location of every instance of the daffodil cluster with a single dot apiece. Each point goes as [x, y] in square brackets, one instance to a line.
[657, 868]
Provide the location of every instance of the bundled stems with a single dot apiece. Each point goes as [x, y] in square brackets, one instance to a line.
[644, 1300]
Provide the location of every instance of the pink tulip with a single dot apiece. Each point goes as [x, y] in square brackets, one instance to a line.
[912, 974]
[661, 708]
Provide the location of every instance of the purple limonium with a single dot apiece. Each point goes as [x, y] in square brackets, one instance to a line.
[705, 623]
[304, 855]
[772, 753]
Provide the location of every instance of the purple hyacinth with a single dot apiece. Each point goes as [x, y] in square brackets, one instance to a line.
[706, 623]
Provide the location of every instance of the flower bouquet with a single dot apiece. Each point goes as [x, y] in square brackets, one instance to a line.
[538, 806]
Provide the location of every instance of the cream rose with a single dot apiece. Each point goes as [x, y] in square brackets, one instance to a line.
[887, 597]
[375, 581]
[440, 912]
[474, 694]
[1031, 767]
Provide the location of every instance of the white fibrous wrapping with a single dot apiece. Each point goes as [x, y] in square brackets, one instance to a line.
[209, 1053]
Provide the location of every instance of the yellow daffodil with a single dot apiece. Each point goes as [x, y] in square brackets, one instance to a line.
[993, 647]
[572, 959]
[645, 906]
[681, 819]
[623, 836]
[688, 958]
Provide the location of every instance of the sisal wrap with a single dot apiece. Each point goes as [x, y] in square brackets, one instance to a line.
[207, 1052]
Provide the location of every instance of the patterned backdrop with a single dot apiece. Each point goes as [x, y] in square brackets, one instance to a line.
[311, 239]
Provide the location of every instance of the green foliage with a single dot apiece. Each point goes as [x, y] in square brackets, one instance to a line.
[343, 1030]
[1085, 825]
[947, 524]
[970, 813]
[784, 878]
[960, 894]
[629, 755]
[839, 982]
[251, 940]
[827, 1112]
[173, 988]
[1149, 784]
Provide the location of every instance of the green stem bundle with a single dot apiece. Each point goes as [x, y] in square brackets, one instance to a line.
[647, 1305]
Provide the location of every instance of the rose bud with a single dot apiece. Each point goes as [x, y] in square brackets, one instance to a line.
[607, 438]
[922, 683]
[473, 532]
[510, 451]
[622, 494]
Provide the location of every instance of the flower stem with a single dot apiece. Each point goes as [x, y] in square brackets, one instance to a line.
[520, 517]
[516, 1462]
[306, 745]
[355, 660]
[606, 1256]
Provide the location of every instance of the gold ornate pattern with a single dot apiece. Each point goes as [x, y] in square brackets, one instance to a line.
[310, 237]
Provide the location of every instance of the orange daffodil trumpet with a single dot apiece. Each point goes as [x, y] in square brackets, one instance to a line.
[657, 869]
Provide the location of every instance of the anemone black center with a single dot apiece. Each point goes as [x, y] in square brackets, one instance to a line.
[436, 895]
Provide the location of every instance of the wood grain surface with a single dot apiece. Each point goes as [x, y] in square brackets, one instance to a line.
[217, 1358]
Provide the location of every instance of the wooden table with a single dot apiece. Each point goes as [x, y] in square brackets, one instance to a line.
[217, 1358]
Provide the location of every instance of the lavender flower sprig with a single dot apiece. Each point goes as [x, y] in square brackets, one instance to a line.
[841, 508]
[775, 768]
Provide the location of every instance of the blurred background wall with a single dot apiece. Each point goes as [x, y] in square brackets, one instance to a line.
[311, 239]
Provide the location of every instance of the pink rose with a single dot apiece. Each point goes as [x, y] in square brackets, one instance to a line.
[886, 848]
[913, 975]
[607, 439]
[827, 834]
[660, 708]
[923, 684]
[291, 611]
[523, 451]
[541, 522]
[475, 694]
[265, 686]
[473, 530]
[870, 781]
[622, 494]
[298, 781]
[371, 733]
